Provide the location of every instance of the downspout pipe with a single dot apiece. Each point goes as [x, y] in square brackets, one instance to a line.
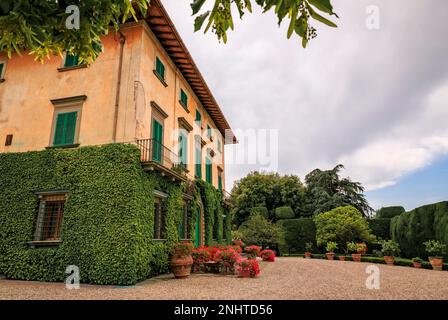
[122, 41]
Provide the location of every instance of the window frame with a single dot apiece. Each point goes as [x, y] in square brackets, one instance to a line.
[3, 70]
[41, 215]
[183, 103]
[66, 105]
[159, 219]
[74, 67]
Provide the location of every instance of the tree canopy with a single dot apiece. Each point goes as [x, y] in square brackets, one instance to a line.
[39, 26]
[269, 190]
[326, 190]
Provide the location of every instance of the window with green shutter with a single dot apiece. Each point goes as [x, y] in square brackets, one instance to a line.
[183, 99]
[64, 133]
[198, 161]
[220, 181]
[198, 118]
[2, 68]
[208, 170]
[160, 68]
[183, 150]
[157, 141]
[71, 60]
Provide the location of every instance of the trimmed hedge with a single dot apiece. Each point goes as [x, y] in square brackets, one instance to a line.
[380, 228]
[297, 232]
[389, 212]
[411, 229]
[284, 213]
[108, 217]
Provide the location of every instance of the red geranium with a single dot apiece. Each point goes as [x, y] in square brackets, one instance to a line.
[268, 255]
[253, 251]
[248, 267]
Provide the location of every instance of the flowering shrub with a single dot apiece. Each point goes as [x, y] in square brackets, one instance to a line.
[238, 243]
[253, 251]
[200, 255]
[268, 255]
[228, 257]
[248, 267]
[237, 248]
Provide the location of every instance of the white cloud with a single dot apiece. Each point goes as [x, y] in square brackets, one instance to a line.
[374, 100]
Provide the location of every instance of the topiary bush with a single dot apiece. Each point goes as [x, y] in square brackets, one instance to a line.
[297, 232]
[284, 213]
[260, 210]
[412, 229]
[380, 228]
[389, 212]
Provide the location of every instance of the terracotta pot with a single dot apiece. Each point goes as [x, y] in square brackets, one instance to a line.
[356, 257]
[389, 260]
[342, 258]
[437, 263]
[417, 265]
[330, 255]
[308, 255]
[181, 266]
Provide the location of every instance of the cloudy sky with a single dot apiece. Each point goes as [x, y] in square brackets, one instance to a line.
[373, 100]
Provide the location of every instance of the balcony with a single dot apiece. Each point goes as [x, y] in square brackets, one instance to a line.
[155, 156]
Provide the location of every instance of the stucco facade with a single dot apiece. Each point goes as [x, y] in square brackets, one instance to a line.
[32, 94]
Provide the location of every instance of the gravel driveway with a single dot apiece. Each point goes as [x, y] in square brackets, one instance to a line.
[287, 278]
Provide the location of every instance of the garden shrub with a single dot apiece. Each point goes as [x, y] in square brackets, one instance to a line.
[284, 213]
[260, 210]
[258, 230]
[108, 216]
[297, 232]
[412, 229]
[389, 212]
[342, 225]
[380, 227]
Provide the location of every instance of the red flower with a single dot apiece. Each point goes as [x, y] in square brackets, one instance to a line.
[253, 250]
[268, 255]
[250, 267]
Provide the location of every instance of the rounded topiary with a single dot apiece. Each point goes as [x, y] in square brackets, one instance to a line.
[389, 212]
[260, 210]
[284, 213]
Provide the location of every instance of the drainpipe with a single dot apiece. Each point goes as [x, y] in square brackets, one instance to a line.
[117, 97]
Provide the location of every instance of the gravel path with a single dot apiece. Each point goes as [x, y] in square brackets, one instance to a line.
[287, 278]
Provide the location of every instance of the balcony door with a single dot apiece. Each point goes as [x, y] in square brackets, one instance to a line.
[157, 141]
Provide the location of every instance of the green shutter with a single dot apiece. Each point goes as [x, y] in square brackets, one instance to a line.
[198, 161]
[183, 98]
[183, 149]
[1, 69]
[219, 182]
[71, 60]
[64, 133]
[197, 229]
[209, 131]
[160, 68]
[208, 170]
[181, 230]
[157, 140]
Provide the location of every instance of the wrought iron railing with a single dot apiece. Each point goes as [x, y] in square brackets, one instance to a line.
[154, 151]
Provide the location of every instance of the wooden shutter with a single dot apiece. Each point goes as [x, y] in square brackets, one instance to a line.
[71, 60]
[64, 133]
[208, 171]
[2, 65]
[198, 162]
[157, 136]
[70, 127]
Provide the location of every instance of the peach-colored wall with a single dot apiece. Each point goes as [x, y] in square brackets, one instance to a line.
[27, 113]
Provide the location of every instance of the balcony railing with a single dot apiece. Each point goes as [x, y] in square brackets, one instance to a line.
[152, 151]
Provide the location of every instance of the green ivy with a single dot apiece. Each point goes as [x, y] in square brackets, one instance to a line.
[108, 217]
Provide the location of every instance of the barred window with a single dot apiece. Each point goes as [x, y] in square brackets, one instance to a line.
[159, 219]
[49, 220]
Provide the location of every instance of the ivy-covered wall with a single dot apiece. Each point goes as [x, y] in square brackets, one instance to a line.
[108, 217]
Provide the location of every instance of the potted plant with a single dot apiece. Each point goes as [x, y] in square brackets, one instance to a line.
[436, 250]
[342, 258]
[181, 259]
[227, 259]
[390, 249]
[331, 246]
[417, 262]
[357, 249]
[268, 255]
[248, 268]
[308, 250]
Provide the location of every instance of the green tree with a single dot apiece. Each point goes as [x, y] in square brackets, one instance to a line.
[326, 190]
[342, 225]
[40, 25]
[269, 190]
[260, 231]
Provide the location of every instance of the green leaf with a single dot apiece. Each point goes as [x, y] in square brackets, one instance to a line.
[318, 17]
[323, 5]
[199, 21]
[197, 5]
